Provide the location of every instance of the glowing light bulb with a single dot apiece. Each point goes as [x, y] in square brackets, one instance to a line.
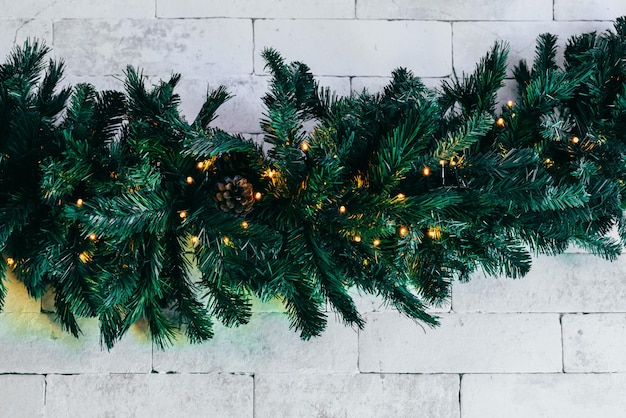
[189, 180]
[575, 140]
[226, 240]
[342, 209]
[401, 196]
[426, 171]
[200, 165]
[357, 238]
[304, 146]
[432, 233]
[403, 231]
[195, 240]
[182, 214]
[93, 237]
[509, 104]
[80, 202]
[84, 257]
[10, 262]
[258, 195]
[376, 242]
[500, 122]
[245, 224]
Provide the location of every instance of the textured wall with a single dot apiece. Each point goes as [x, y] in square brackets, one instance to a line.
[549, 345]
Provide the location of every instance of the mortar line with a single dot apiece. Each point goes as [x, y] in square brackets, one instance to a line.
[45, 392]
[460, 388]
[562, 344]
[253, 45]
[254, 395]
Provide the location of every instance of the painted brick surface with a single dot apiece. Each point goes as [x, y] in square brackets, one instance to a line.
[365, 48]
[356, 396]
[16, 31]
[34, 343]
[149, 395]
[594, 343]
[462, 344]
[543, 396]
[17, 299]
[273, 9]
[567, 283]
[455, 10]
[500, 331]
[472, 40]
[22, 396]
[63, 9]
[266, 344]
[589, 10]
[191, 47]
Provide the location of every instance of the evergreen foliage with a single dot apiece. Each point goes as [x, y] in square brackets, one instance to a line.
[126, 211]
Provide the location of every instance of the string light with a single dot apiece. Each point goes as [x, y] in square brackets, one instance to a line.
[426, 171]
[403, 231]
[401, 196]
[304, 146]
[10, 262]
[93, 237]
[245, 224]
[226, 240]
[575, 140]
[195, 240]
[509, 104]
[500, 122]
[376, 242]
[357, 238]
[182, 214]
[84, 257]
[342, 209]
[258, 195]
[434, 233]
[189, 180]
[80, 202]
[200, 165]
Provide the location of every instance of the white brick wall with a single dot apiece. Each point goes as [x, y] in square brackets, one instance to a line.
[548, 345]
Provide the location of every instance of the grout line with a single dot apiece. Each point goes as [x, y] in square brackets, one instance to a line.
[460, 400]
[253, 46]
[562, 344]
[254, 395]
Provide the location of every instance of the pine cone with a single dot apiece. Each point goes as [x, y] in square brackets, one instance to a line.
[234, 195]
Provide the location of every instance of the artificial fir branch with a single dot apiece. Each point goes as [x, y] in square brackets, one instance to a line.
[129, 212]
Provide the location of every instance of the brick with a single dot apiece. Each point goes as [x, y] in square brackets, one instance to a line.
[266, 344]
[469, 343]
[22, 396]
[366, 302]
[356, 395]
[16, 298]
[15, 31]
[455, 10]
[36, 9]
[38, 345]
[543, 395]
[149, 395]
[359, 48]
[472, 40]
[589, 10]
[194, 48]
[273, 9]
[594, 343]
[566, 283]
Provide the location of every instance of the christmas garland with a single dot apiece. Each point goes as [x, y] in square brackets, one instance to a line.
[127, 211]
